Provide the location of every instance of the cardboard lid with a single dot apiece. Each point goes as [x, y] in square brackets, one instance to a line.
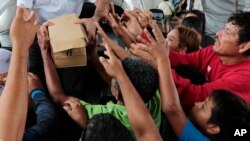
[65, 34]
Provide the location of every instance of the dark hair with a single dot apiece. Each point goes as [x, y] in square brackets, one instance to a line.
[178, 14]
[200, 15]
[143, 77]
[229, 111]
[104, 127]
[242, 20]
[192, 73]
[188, 38]
[193, 23]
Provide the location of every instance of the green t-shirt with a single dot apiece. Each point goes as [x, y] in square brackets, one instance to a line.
[120, 113]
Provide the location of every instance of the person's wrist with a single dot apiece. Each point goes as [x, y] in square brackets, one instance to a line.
[21, 47]
[161, 60]
[95, 18]
[119, 75]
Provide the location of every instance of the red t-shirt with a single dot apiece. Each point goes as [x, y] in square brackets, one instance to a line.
[235, 78]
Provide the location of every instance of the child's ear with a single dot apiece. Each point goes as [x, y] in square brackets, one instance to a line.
[213, 129]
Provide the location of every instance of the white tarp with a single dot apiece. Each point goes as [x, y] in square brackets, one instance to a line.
[218, 11]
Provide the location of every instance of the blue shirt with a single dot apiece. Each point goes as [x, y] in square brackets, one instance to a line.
[191, 133]
[46, 127]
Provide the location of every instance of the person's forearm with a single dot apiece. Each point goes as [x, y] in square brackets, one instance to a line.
[52, 80]
[127, 39]
[138, 114]
[14, 99]
[169, 97]
[120, 52]
[102, 9]
[167, 87]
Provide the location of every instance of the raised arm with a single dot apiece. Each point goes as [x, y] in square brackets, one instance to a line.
[114, 20]
[169, 96]
[119, 51]
[14, 99]
[143, 126]
[52, 79]
[46, 115]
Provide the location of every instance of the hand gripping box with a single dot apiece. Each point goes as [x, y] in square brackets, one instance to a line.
[68, 41]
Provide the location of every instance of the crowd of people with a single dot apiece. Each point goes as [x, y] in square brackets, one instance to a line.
[140, 89]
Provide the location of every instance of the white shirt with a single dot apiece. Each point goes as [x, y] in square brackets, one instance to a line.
[141, 4]
[197, 5]
[7, 13]
[166, 7]
[5, 56]
[48, 9]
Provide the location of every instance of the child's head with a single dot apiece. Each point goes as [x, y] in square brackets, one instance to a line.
[183, 39]
[200, 15]
[193, 23]
[143, 77]
[220, 113]
[104, 127]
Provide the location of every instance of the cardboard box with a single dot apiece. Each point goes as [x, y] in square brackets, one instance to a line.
[68, 42]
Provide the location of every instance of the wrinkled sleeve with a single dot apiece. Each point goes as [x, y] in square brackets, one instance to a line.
[46, 119]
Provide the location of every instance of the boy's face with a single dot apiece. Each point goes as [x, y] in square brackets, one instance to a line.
[201, 113]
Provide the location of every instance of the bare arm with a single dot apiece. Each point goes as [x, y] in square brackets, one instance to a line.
[138, 115]
[14, 99]
[119, 51]
[76, 111]
[169, 96]
[52, 79]
[94, 57]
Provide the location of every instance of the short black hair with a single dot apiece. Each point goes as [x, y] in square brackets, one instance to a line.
[105, 127]
[193, 23]
[142, 75]
[242, 20]
[200, 15]
[192, 73]
[178, 14]
[229, 111]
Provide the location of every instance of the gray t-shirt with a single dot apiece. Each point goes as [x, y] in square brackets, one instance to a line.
[218, 11]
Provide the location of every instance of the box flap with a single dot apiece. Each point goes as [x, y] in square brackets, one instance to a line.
[65, 34]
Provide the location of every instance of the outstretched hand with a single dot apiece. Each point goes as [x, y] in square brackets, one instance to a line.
[90, 28]
[74, 109]
[105, 37]
[112, 65]
[152, 49]
[131, 23]
[23, 28]
[43, 40]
